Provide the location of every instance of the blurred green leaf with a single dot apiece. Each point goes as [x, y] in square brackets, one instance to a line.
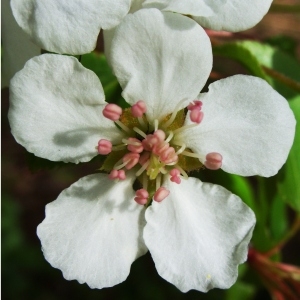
[241, 291]
[289, 175]
[278, 219]
[239, 51]
[97, 63]
[256, 57]
[283, 42]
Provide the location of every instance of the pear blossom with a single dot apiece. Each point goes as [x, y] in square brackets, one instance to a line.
[13, 39]
[196, 232]
[73, 26]
[228, 15]
[64, 26]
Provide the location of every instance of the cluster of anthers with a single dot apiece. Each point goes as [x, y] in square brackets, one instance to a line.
[153, 149]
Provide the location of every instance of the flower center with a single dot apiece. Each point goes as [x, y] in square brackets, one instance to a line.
[152, 149]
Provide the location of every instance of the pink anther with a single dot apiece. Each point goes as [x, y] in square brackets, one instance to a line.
[117, 174]
[196, 116]
[144, 157]
[175, 176]
[160, 148]
[104, 147]
[168, 156]
[136, 146]
[131, 160]
[161, 194]
[213, 161]
[160, 135]
[138, 109]
[141, 196]
[112, 111]
[150, 141]
[195, 105]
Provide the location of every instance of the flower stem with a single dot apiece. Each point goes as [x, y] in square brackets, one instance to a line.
[282, 78]
[294, 229]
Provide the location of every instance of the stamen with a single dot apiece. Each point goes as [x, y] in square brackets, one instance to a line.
[160, 135]
[169, 137]
[104, 147]
[184, 128]
[196, 116]
[168, 156]
[141, 196]
[184, 174]
[130, 160]
[138, 109]
[155, 124]
[161, 194]
[183, 146]
[145, 181]
[125, 128]
[213, 161]
[158, 181]
[115, 174]
[163, 171]
[134, 145]
[191, 154]
[196, 104]
[143, 168]
[142, 122]
[140, 132]
[175, 176]
[173, 116]
[144, 157]
[112, 112]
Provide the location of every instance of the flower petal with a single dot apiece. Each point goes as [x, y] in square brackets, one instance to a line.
[198, 235]
[236, 15]
[56, 109]
[68, 26]
[203, 8]
[92, 232]
[14, 39]
[248, 123]
[109, 34]
[161, 58]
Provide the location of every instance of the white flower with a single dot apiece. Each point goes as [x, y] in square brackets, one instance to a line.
[73, 27]
[64, 26]
[13, 39]
[229, 15]
[197, 233]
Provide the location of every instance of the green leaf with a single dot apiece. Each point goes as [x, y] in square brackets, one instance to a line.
[241, 291]
[289, 176]
[97, 63]
[256, 57]
[239, 51]
[284, 43]
[278, 219]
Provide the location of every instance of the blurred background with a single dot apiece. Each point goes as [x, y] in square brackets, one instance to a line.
[29, 183]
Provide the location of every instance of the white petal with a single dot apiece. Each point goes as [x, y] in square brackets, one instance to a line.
[64, 26]
[203, 8]
[236, 15]
[198, 235]
[248, 123]
[14, 39]
[56, 109]
[92, 232]
[161, 58]
[109, 34]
